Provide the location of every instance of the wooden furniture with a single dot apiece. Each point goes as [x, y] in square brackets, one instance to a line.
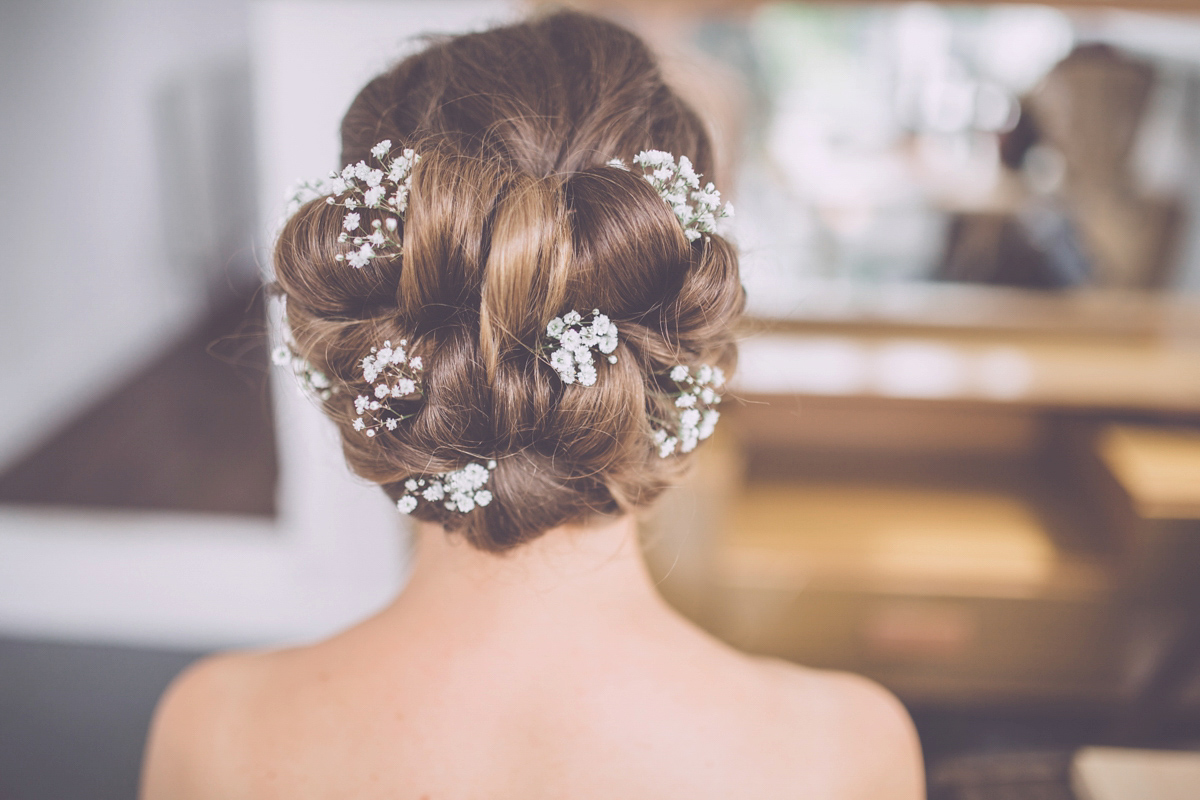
[969, 514]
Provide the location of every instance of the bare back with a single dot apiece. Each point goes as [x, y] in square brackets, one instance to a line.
[626, 705]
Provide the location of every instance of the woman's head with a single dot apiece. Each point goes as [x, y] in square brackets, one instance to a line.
[514, 218]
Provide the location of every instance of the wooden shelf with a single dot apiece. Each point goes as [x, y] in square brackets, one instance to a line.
[897, 539]
[1158, 468]
[1134, 373]
[920, 307]
[694, 6]
[938, 549]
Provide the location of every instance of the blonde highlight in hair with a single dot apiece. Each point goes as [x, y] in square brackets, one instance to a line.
[513, 218]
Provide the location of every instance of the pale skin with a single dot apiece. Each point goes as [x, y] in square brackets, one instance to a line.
[556, 671]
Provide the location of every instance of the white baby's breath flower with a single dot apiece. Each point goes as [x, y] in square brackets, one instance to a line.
[696, 208]
[564, 364]
[577, 337]
[587, 374]
[696, 418]
[359, 185]
[380, 150]
[687, 172]
[571, 339]
[459, 490]
[312, 381]
[392, 375]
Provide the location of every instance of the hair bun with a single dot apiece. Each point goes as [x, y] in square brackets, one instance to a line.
[515, 218]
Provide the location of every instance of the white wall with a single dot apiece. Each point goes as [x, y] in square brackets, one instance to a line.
[312, 56]
[196, 581]
[88, 283]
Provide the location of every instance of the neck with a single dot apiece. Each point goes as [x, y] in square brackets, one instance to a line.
[574, 575]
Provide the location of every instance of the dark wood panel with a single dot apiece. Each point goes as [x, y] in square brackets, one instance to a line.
[192, 431]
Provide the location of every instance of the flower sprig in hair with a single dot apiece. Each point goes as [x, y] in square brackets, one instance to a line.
[697, 208]
[360, 186]
[393, 375]
[312, 381]
[459, 490]
[696, 415]
[576, 336]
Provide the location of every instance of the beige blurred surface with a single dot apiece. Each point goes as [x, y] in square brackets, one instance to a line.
[1111, 773]
[1159, 468]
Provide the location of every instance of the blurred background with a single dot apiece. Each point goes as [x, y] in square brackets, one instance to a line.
[964, 457]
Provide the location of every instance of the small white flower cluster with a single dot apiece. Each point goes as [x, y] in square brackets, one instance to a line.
[697, 208]
[359, 185]
[459, 490]
[393, 374]
[572, 358]
[312, 381]
[697, 418]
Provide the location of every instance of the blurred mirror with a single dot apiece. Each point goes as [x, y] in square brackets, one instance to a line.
[1010, 145]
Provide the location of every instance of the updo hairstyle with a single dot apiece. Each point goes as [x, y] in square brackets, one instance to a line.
[514, 218]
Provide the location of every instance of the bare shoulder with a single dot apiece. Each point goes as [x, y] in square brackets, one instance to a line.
[864, 731]
[200, 727]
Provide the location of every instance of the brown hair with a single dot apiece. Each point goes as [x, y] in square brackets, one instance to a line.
[513, 219]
